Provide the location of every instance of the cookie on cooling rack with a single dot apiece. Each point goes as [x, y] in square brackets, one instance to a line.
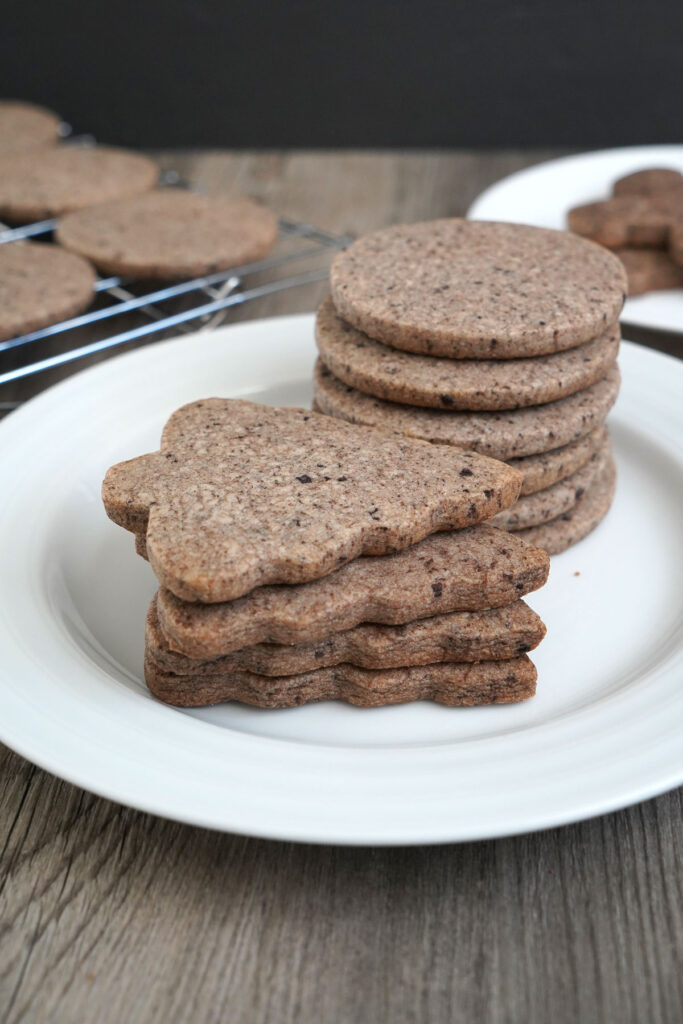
[69, 178]
[40, 285]
[25, 126]
[170, 233]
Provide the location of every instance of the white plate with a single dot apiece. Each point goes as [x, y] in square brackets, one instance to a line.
[604, 730]
[543, 196]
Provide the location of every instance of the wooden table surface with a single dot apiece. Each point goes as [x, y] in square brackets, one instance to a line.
[109, 915]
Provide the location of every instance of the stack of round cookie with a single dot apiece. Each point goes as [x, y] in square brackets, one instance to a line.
[498, 338]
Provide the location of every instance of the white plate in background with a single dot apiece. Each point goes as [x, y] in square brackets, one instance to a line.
[544, 194]
[603, 731]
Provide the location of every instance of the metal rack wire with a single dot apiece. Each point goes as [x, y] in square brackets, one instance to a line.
[204, 301]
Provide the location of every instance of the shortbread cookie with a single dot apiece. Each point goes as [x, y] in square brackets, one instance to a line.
[651, 270]
[629, 220]
[451, 684]
[477, 290]
[547, 468]
[478, 384]
[491, 635]
[534, 509]
[648, 182]
[241, 495]
[170, 233]
[40, 285]
[467, 570]
[502, 435]
[25, 126]
[571, 527]
[67, 178]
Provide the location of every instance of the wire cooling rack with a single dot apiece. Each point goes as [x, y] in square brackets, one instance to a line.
[126, 310]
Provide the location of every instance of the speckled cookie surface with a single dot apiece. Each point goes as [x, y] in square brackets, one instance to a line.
[491, 635]
[242, 495]
[40, 285]
[502, 435]
[534, 509]
[648, 181]
[544, 470]
[629, 220]
[477, 290]
[451, 684]
[571, 527]
[467, 570]
[651, 270]
[25, 126]
[170, 233]
[477, 384]
[69, 178]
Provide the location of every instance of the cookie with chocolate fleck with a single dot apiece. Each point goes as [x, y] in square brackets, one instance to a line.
[465, 570]
[648, 181]
[40, 285]
[69, 178]
[546, 468]
[451, 684]
[491, 635]
[559, 534]
[629, 221]
[477, 290]
[170, 233]
[652, 270]
[476, 384]
[534, 509]
[502, 435]
[242, 495]
[26, 126]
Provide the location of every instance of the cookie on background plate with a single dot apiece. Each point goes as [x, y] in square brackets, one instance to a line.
[170, 233]
[451, 684]
[559, 534]
[25, 126]
[475, 384]
[652, 270]
[648, 181]
[477, 289]
[465, 570]
[629, 221]
[491, 635]
[67, 178]
[241, 495]
[502, 435]
[40, 285]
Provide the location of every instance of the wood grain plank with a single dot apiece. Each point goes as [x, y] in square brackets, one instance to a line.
[110, 915]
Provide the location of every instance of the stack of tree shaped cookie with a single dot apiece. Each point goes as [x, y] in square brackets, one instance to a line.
[497, 338]
[255, 519]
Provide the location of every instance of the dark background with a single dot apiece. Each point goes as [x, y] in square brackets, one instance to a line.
[365, 74]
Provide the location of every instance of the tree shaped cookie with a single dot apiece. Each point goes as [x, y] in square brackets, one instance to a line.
[241, 495]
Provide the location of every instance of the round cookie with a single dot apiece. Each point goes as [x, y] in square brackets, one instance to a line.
[629, 220]
[40, 285]
[477, 384]
[534, 509]
[170, 233]
[477, 290]
[651, 270]
[69, 178]
[547, 468]
[502, 435]
[25, 126]
[648, 181]
[571, 527]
